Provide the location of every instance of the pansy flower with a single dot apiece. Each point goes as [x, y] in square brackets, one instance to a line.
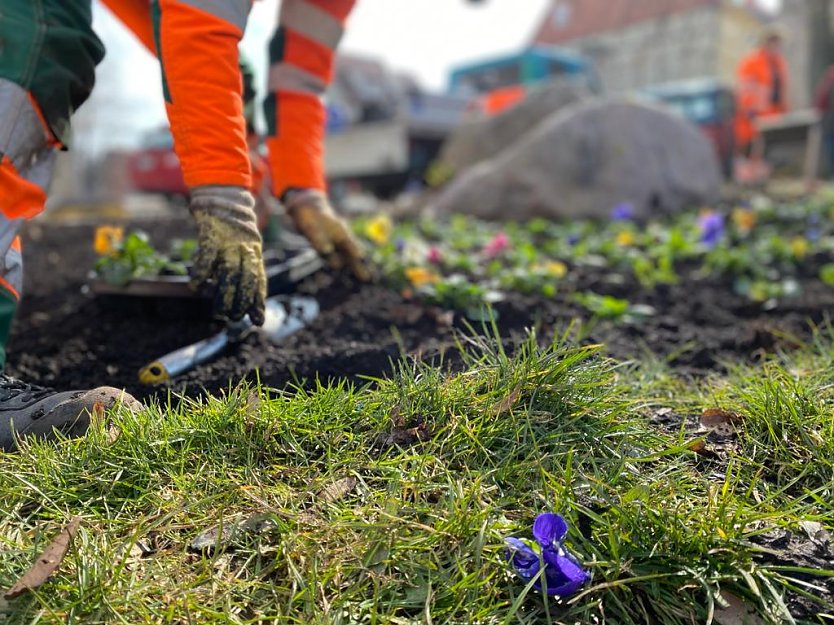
[497, 245]
[563, 574]
[623, 211]
[711, 226]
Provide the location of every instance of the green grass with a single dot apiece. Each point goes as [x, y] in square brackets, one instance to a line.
[419, 538]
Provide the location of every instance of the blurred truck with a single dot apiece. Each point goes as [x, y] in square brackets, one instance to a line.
[154, 167]
[708, 104]
[384, 130]
[495, 84]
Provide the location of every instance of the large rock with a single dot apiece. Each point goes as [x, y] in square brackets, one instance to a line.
[584, 160]
[481, 139]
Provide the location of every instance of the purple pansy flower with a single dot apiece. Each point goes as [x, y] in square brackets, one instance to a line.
[563, 575]
[711, 224]
[813, 232]
[623, 211]
[573, 239]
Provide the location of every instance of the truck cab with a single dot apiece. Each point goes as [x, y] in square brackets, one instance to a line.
[708, 104]
[496, 84]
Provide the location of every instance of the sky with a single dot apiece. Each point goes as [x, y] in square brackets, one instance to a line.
[423, 37]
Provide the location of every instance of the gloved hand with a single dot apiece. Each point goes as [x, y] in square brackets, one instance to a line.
[326, 231]
[229, 260]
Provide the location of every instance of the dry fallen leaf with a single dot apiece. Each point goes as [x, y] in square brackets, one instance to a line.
[699, 446]
[337, 490]
[719, 418]
[408, 314]
[507, 403]
[442, 318]
[46, 564]
[816, 532]
[224, 534]
[737, 612]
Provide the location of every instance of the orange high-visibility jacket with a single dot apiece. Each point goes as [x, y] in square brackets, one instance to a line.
[758, 75]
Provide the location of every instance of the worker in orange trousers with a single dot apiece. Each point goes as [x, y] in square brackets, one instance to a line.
[47, 71]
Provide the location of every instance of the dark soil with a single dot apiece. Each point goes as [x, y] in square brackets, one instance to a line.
[66, 338]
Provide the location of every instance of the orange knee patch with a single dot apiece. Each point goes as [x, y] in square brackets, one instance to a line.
[19, 198]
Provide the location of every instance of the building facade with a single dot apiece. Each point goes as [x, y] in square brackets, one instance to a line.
[638, 43]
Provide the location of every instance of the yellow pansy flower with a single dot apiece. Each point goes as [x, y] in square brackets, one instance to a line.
[744, 219]
[107, 240]
[379, 229]
[625, 238]
[800, 247]
[420, 276]
[554, 268]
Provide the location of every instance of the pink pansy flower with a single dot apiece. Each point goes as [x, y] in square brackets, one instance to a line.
[499, 244]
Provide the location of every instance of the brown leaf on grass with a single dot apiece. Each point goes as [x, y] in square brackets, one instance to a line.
[699, 446]
[99, 412]
[719, 418]
[396, 416]
[407, 314]
[442, 318]
[46, 564]
[506, 404]
[403, 437]
[737, 612]
[816, 532]
[337, 490]
[404, 432]
[225, 534]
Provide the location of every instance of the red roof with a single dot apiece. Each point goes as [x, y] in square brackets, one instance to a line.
[567, 20]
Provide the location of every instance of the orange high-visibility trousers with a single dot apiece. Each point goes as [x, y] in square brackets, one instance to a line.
[197, 45]
[301, 55]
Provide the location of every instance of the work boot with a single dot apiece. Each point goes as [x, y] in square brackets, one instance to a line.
[30, 410]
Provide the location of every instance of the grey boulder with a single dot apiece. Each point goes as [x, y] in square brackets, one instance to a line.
[588, 158]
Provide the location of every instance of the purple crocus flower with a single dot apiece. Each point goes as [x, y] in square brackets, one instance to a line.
[563, 575]
[624, 211]
[573, 239]
[711, 224]
[399, 245]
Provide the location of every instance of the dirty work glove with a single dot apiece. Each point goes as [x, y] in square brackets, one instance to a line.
[229, 260]
[326, 231]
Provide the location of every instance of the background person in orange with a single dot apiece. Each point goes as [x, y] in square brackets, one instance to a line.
[761, 89]
[47, 70]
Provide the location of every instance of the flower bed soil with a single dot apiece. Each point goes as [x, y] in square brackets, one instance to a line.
[66, 339]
